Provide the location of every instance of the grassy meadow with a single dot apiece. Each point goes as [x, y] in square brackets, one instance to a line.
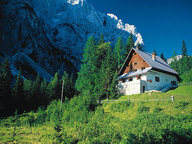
[127, 122]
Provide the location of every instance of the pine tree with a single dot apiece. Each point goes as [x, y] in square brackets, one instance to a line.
[155, 52]
[86, 76]
[18, 94]
[28, 92]
[113, 86]
[100, 54]
[69, 88]
[101, 81]
[35, 93]
[101, 41]
[100, 57]
[139, 46]
[106, 74]
[185, 65]
[174, 54]
[162, 57]
[118, 51]
[54, 88]
[5, 89]
[110, 73]
[190, 62]
[97, 77]
[43, 93]
[184, 49]
[129, 45]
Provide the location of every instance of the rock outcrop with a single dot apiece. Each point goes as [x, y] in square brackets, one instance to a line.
[52, 33]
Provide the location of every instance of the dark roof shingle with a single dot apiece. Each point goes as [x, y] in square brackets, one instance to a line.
[156, 64]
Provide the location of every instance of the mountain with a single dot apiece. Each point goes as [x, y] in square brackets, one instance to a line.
[51, 34]
[175, 58]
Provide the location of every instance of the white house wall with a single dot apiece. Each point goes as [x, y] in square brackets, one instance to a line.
[129, 88]
[132, 87]
[165, 80]
[144, 77]
[146, 81]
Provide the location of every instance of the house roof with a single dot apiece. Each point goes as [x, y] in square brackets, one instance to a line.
[130, 74]
[157, 64]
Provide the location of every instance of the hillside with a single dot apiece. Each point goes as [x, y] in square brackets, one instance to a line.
[53, 33]
[138, 121]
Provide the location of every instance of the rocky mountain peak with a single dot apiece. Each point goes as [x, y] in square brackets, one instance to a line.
[76, 2]
[51, 34]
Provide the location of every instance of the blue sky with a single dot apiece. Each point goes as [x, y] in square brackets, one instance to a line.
[163, 24]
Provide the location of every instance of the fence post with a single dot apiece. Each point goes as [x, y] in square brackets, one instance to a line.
[172, 98]
[62, 94]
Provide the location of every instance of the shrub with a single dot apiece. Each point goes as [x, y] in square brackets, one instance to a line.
[58, 136]
[99, 113]
[180, 104]
[76, 110]
[53, 112]
[157, 128]
[142, 109]
[26, 119]
[40, 116]
[121, 106]
[157, 109]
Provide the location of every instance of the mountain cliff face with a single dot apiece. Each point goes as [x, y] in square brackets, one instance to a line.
[49, 35]
[175, 58]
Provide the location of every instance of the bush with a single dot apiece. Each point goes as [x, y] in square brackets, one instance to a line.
[76, 110]
[99, 130]
[58, 136]
[121, 106]
[180, 104]
[53, 112]
[142, 109]
[26, 119]
[40, 116]
[157, 128]
[157, 109]
[77, 123]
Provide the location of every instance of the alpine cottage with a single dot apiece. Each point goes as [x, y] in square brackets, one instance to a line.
[143, 72]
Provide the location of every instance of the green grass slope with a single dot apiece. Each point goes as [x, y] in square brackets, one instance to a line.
[140, 121]
[152, 102]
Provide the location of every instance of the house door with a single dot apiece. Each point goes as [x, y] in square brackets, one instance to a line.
[143, 89]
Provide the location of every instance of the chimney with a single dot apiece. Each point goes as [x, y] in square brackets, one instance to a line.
[154, 56]
[137, 47]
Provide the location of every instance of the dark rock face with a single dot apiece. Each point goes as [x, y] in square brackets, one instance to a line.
[22, 31]
[51, 34]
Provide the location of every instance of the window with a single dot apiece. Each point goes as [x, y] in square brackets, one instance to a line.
[173, 83]
[157, 79]
[143, 89]
[142, 68]
[136, 63]
[135, 70]
[143, 60]
[138, 77]
[130, 79]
